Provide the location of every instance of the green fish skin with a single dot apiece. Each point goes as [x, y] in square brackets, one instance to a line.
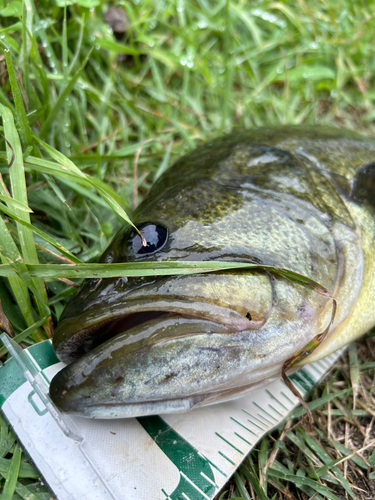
[292, 197]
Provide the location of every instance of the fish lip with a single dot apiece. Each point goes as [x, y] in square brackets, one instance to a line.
[70, 343]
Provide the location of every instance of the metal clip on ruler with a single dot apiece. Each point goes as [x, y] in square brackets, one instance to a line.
[175, 457]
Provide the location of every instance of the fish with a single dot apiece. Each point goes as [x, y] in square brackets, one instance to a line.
[300, 198]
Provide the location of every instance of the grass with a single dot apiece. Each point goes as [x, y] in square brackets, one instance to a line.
[94, 116]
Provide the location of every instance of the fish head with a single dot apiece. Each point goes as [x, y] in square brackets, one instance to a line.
[160, 344]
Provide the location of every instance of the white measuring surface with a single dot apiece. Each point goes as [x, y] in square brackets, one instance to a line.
[186, 456]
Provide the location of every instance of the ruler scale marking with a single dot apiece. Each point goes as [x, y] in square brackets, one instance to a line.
[213, 465]
[274, 409]
[264, 411]
[277, 400]
[242, 425]
[208, 479]
[241, 437]
[226, 458]
[228, 443]
[194, 485]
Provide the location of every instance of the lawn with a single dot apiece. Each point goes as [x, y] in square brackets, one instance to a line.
[96, 103]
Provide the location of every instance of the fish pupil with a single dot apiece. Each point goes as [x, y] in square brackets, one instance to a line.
[155, 234]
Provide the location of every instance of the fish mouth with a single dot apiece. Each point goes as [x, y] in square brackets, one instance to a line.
[141, 370]
[241, 301]
[160, 347]
[71, 343]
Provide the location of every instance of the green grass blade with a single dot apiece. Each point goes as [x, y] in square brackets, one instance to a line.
[25, 471]
[116, 47]
[241, 487]
[254, 480]
[58, 170]
[18, 183]
[12, 474]
[262, 462]
[81, 22]
[319, 402]
[165, 162]
[24, 492]
[17, 205]
[302, 482]
[7, 438]
[129, 269]
[9, 252]
[26, 47]
[26, 333]
[354, 371]
[227, 65]
[18, 102]
[62, 97]
[96, 183]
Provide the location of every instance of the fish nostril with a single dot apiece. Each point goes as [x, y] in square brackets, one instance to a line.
[248, 316]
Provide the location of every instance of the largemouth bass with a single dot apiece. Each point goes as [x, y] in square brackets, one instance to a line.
[291, 197]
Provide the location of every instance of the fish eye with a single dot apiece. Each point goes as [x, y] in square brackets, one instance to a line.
[155, 234]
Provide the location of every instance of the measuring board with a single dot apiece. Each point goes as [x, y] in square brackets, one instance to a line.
[186, 456]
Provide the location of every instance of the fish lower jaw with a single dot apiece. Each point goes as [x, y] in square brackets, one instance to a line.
[131, 410]
[169, 406]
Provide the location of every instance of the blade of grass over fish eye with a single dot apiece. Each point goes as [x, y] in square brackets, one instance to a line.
[19, 191]
[58, 170]
[68, 164]
[64, 164]
[86, 193]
